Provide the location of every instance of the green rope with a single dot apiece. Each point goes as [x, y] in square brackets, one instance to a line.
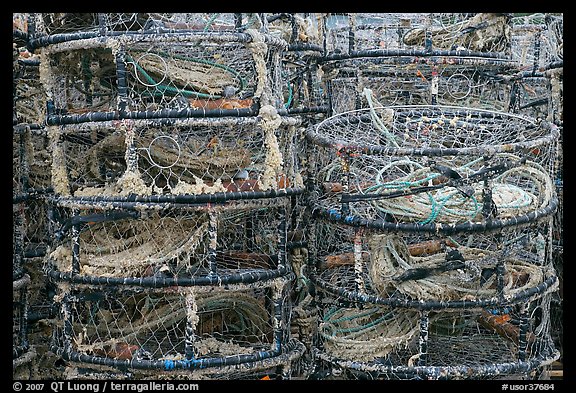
[162, 89]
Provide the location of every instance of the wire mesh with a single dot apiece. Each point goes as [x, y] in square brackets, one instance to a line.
[175, 328]
[193, 156]
[181, 73]
[483, 32]
[385, 163]
[415, 59]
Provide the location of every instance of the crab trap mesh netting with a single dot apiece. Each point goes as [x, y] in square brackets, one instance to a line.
[478, 83]
[210, 294]
[404, 60]
[483, 32]
[537, 48]
[177, 72]
[158, 188]
[177, 328]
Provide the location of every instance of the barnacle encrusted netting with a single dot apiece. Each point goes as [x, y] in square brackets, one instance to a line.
[438, 221]
[185, 156]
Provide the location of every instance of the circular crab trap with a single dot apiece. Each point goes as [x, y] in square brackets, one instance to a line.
[404, 60]
[498, 164]
[103, 74]
[482, 32]
[441, 269]
[202, 330]
[189, 160]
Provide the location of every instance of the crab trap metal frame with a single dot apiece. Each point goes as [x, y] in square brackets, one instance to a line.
[385, 275]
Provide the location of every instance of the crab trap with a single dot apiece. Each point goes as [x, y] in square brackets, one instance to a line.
[201, 329]
[103, 74]
[434, 222]
[536, 46]
[537, 40]
[482, 32]
[208, 159]
[400, 59]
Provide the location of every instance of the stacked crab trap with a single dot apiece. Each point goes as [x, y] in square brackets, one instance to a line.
[433, 249]
[174, 186]
[431, 239]
[287, 196]
[411, 59]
